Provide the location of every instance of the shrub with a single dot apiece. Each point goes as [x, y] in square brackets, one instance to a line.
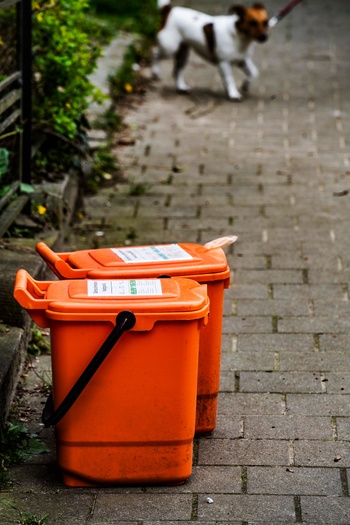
[63, 57]
[140, 16]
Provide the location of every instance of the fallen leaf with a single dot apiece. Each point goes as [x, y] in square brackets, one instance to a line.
[126, 141]
[340, 193]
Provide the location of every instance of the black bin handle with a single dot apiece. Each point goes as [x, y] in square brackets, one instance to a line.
[125, 321]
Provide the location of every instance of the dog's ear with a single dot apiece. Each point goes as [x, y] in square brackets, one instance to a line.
[239, 10]
[258, 5]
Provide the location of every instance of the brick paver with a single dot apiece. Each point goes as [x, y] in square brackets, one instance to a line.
[274, 170]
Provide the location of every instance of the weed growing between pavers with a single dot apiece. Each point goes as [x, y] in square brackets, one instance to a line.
[27, 518]
[17, 444]
[138, 188]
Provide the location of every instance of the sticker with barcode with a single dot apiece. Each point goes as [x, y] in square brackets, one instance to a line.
[124, 288]
[153, 254]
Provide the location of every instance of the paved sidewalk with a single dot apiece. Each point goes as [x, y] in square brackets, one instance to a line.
[274, 170]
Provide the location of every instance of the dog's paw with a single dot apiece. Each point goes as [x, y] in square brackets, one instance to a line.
[236, 98]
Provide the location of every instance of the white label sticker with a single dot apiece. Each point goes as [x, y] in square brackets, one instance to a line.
[167, 253]
[124, 288]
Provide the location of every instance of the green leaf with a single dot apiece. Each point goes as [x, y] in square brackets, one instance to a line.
[26, 188]
[4, 161]
[36, 447]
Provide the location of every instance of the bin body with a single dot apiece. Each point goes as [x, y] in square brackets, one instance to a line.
[134, 423]
[187, 260]
[135, 420]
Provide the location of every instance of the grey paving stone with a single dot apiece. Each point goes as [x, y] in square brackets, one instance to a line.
[199, 200]
[343, 428]
[228, 342]
[245, 261]
[261, 222]
[215, 480]
[333, 309]
[325, 292]
[231, 361]
[294, 480]
[111, 520]
[294, 261]
[259, 243]
[325, 510]
[322, 453]
[337, 383]
[272, 307]
[60, 507]
[243, 452]
[276, 343]
[269, 276]
[318, 404]
[132, 507]
[332, 275]
[204, 479]
[226, 427]
[313, 362]
[325, 324]
[288, 427]
[280, 382]
[236, 325]
[180, 522]
[250, 404]
[210, 224]
[250, 291]
[245, 211]
[246, 508]
[334, 342]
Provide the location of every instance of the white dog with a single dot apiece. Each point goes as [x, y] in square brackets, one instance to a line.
[223, 40]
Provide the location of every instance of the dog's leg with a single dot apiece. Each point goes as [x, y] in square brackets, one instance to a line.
[155, 62]
[251, 71]
[180, 60]
[229, 81]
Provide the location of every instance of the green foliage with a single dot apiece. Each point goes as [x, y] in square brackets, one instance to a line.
[125, 78]
[4, 161]
[67, 37]
[38, 344]
[27, 518]
[138, 188]
[104, 169]
[139, 16]
[63, 57]
[111, 121]
[17, 444]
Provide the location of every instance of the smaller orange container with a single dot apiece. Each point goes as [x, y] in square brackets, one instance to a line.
[134, 421]
[205, 264]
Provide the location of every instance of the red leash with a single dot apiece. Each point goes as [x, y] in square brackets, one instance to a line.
[283, 12]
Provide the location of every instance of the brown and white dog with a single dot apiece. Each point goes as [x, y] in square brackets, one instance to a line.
[222, 40]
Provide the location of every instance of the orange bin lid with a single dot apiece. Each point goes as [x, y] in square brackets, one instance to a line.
[87, 299]
[183, 259]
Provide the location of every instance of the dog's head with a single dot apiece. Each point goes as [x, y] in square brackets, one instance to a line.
[253, 22]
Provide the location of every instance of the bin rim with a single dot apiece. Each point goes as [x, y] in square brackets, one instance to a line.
[102, 263]
[68, 300]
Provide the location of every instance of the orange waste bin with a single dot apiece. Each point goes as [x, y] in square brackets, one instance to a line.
[127, 416]
[205, 264]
